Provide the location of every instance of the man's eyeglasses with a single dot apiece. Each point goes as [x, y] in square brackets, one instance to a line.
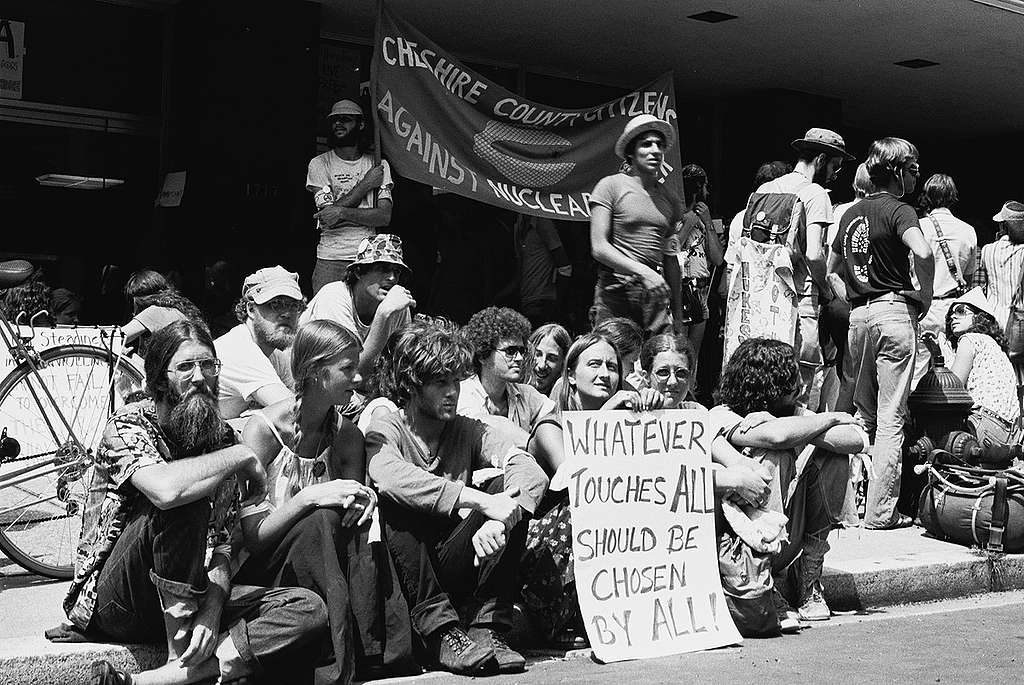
[286, 306]
[513, 351]
[681, 375]
[208, 367]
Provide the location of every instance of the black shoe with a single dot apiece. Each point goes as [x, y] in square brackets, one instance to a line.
[105, 673]
[455, 652]
[509, 660]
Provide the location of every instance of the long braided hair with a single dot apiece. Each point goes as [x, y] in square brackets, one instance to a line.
[316, 343]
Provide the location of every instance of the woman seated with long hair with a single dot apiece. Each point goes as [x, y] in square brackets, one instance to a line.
[980, 361]
[311, 530]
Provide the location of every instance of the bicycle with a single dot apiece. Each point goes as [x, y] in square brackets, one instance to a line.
[54, 406]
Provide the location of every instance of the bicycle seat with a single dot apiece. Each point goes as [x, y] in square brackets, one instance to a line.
[14, 272]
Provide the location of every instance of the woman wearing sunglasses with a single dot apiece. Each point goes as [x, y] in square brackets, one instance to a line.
[311, 530]
[980, 361]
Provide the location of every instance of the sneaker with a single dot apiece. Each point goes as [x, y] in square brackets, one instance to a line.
[105, 673]
[456, 652]
[789, 619]
[509, 660]
[814, 607]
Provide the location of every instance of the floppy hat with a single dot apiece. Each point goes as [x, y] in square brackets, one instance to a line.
[345, 107]
[1011, 211]
[383, 247]
[642, 124]
[269, 282]
[976, 298]
[823, 140]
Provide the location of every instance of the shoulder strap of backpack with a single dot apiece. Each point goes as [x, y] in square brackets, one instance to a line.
[1000, 512]
[961, 284]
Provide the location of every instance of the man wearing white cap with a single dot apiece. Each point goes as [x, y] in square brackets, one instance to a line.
[343, 181]
[255, 369]
[633, 218]
[999, 270]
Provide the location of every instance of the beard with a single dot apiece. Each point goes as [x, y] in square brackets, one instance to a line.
[350, 139]
[194, 422]
[278, 337]
[821, 175]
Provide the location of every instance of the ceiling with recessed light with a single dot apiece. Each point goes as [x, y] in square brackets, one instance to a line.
[846, 49]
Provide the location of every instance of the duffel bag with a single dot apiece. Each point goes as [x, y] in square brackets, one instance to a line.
[974, 506]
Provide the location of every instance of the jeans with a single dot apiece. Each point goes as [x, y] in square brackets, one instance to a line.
[614, 298]
[328, 271]
[157, 566]
[882, 351]
[434, 559]
[808, 349]
[369, 621]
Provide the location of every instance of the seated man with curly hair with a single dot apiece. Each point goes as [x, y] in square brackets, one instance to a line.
[454, 571]
[807, 453]
[498, 337]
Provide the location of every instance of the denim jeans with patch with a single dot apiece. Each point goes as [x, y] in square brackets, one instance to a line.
[882, 349]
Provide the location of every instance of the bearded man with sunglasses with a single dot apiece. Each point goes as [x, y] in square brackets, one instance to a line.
[164, 495]
[872, 253]
[497, 388]
[257, 364]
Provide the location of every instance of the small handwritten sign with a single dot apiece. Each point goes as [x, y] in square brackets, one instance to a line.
[641, 492]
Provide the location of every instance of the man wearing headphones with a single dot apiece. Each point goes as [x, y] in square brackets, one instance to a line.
[871, 252]
[343, 181]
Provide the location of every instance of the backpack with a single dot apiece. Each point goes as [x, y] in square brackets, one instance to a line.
[774, 218]
[762, 299]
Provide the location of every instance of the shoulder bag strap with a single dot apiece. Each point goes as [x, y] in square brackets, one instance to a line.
[1000, 511]
[961, 284]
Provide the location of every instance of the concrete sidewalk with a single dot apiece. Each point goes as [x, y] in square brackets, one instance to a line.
[866, 570]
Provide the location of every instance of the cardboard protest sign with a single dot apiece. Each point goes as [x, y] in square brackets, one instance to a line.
[762, 300]
[641, 494]
[79, 385]
[445, 125]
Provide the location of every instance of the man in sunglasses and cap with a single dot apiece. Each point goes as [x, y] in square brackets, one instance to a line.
[257, 365]
[370, 302]
[343, 181]
[633, 219]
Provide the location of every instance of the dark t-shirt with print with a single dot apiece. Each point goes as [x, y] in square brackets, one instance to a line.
[870, 241]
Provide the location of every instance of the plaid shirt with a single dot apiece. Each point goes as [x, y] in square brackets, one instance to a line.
[131, 440]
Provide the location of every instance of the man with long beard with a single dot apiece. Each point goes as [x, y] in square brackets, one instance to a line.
[164, 495]
[343, 181]
[256, 363]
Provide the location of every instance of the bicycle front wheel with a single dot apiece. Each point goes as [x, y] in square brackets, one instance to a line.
[57, 412]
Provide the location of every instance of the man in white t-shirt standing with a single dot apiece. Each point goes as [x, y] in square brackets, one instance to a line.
[820, 155]
[255, 355]
[369, 302]
[343, 181]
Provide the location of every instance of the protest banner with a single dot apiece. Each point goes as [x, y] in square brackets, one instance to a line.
[443, 124]
[641, 493]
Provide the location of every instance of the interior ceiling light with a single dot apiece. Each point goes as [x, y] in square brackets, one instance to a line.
[916, 63]
[712, 16]
[77, 182]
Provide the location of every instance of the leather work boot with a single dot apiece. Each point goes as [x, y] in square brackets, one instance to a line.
[811, 600]
[456, 652]
[509, 660]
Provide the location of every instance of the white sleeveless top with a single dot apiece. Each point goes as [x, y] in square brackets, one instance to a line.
[279, 470]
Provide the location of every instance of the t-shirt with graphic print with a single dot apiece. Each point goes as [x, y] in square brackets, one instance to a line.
[329, 171]
[870, 241]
